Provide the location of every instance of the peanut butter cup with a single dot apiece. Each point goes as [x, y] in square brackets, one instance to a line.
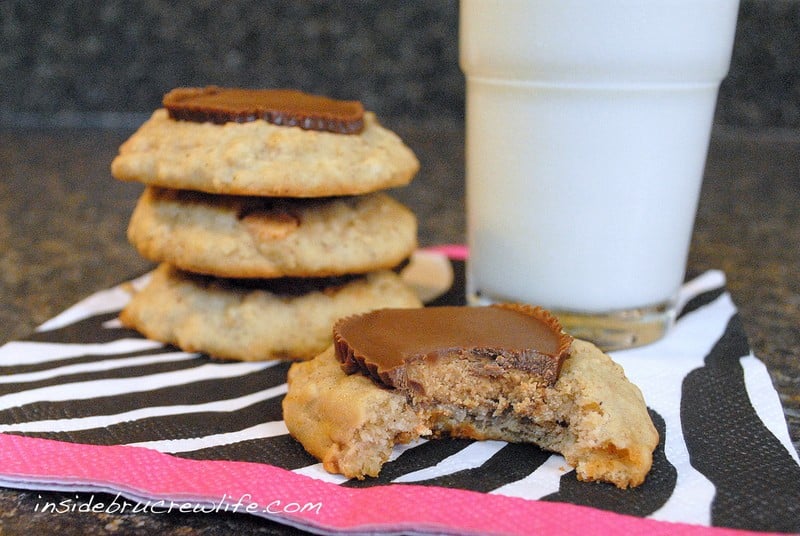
[277, 106]
[381, 344]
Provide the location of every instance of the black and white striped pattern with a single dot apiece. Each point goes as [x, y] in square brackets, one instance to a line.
[723, 459]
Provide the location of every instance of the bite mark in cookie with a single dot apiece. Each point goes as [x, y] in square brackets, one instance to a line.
[591, 414]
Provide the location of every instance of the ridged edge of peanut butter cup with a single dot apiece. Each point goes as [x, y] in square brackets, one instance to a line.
[282, 107]
[353, 363]
[545, 365]
[540, 313]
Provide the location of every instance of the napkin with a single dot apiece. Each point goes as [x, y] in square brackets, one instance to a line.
[87, 405]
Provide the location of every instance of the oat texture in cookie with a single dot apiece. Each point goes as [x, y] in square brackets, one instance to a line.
[259, 237]
[263, 159]
[255, 320]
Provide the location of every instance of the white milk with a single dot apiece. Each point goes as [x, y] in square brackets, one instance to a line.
[588, 124]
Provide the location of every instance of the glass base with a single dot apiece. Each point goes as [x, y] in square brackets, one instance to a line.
[618, 330]
[614, 330]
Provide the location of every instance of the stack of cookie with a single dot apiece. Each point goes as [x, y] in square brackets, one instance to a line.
[266, 212]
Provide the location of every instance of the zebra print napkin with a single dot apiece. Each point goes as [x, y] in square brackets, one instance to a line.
[86, 405]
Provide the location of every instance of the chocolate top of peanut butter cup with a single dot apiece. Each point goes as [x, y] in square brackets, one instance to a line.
[515, 336]
[278, 106]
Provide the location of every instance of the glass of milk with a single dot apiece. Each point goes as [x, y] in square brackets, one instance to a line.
[587, 129]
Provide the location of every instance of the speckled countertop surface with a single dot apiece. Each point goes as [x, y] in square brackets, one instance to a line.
[62, 237]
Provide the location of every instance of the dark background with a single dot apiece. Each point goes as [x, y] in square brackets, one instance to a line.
[88, 63]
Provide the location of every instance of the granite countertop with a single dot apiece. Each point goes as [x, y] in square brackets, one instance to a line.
[62, 237]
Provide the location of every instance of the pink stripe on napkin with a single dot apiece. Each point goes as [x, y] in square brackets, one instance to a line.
[456, 252]
[282, 495]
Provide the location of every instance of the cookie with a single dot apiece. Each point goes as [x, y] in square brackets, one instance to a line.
[592, 414]
[260, 237]
[263, 159]
[254, 320]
